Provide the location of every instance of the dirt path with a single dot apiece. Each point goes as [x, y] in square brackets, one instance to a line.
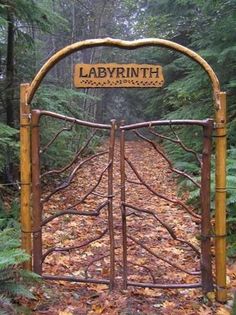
[93, 260]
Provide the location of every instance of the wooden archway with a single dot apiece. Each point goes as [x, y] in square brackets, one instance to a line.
[28, 91]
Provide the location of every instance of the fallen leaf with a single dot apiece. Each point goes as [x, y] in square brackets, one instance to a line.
[223, 311]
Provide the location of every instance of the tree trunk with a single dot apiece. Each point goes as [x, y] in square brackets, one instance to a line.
[9, 90]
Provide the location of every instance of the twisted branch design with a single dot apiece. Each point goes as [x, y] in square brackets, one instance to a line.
[167, 159]
[78, 153]
[67, 249]
[174, 201]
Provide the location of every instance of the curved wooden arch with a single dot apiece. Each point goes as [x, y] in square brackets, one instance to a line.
[123, 45]
[27, 94]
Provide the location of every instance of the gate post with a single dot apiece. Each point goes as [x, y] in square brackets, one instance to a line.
[220, 200]
[110, 204]
[36, 194]
[25, 174]
[206, 261]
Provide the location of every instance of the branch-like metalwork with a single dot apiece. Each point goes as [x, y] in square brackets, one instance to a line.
[145, 267]
[75, 159]
[72, 175]
[166, 226]
[92, 189]
[95, 193]
[94, 213]
[167, 159]
[130, 181]
[177, 141]
[187, 149]
[192, 273]
[174, 201]
[92, 262]
[68, 249]
[55, 137]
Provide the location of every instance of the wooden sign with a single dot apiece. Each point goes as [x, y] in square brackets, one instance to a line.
[114, 75]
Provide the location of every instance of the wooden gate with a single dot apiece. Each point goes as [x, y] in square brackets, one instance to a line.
[219, 97]
[203, 272]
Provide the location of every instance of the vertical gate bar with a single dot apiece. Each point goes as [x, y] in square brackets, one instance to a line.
[220, 200]
[206, 229]
[25, 175]
[110, 204]
[36, 194]
[123, 208]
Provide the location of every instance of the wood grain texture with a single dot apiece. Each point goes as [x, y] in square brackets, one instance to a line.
[112, 75]
[25, 171]
[147, 42]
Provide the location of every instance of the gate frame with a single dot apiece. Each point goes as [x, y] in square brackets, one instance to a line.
[27, 92]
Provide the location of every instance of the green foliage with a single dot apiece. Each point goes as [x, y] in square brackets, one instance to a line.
[9, 145]
[190, 167]
[9, 218]
[65, 146]
[204, 26]
[39, 13]
[64, 101]
[14, 282]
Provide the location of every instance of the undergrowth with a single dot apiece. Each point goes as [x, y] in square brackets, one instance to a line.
[15, 282]
[187, 163]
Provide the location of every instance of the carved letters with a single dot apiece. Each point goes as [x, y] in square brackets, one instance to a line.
[118, 75]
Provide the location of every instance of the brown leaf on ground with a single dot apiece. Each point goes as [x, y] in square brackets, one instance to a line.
[93, 260]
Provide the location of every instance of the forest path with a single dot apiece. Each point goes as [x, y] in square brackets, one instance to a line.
[67, 298]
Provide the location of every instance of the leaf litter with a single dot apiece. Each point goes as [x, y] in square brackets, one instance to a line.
[92, 261]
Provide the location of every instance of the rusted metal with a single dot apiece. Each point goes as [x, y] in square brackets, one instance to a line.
[174, 201]
[122, 204]
[165, 225]
[74, 120]
[206, 228]
[55, 137]
[110, 204]
[96, 259]
[165, 286]
[38, 201]
[94, 213]
[205, 265]
[69, 248]
[172, 168]
[75, 279]
[177, 122]
[177, 141]
[36, 194]
[220, 117]
[74, 160]
[92, 189]
[66, 183]
[204, 270]
[147, 249]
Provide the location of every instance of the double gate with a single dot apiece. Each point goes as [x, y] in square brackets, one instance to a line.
[219, 101]
[148, 132]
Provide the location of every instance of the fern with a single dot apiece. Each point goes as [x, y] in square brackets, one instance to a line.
[8, 144]
[13, 280]
[12, 289]
[187, 163]
[6, 307]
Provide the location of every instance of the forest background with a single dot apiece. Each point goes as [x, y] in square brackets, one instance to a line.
[31, 31]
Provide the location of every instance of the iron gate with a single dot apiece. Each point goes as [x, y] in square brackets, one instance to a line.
[141, 131]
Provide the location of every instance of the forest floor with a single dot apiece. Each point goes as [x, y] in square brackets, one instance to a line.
[66, 298]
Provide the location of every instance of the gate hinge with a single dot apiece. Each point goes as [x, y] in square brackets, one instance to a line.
[219, 125]
[26, 115]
